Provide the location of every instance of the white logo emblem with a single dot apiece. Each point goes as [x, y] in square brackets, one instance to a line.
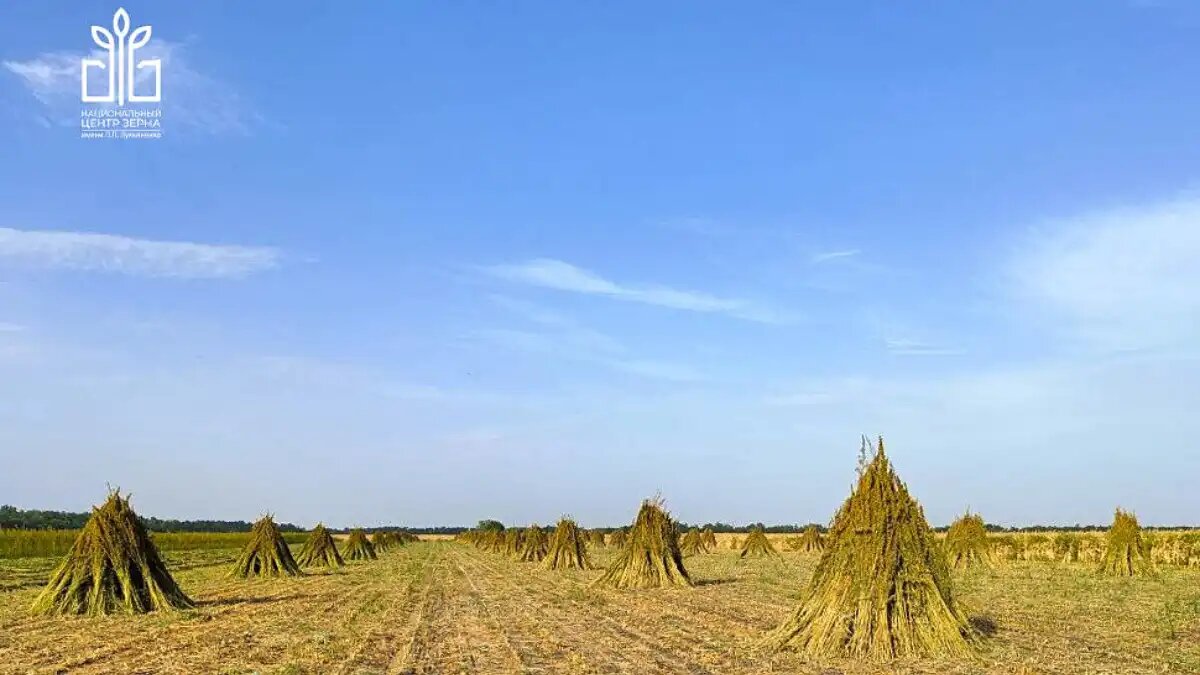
[122, 76]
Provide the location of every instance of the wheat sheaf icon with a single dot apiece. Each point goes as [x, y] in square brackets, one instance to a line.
[121, 47]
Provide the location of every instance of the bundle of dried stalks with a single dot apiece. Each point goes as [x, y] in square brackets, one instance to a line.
[567, 549]
[113, 567]
[320, 549]
[595, 537]
[811, 540]
[882, 588]
[533, 544]
[618, 537]
[967, 543]
[381, 540]
[1126, 552]
[692, 543]
[266, 554]
[757, 545]
[358, 547]
[651, 556]
[513, 540]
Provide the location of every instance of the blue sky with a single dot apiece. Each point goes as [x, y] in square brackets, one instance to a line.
[427, 263]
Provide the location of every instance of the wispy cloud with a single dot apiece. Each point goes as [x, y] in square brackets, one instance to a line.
[561, 337]
[565, 330]
[907, 347]
[193, 101]
[799, 399]
[11, 327]
[473, 437]
[89, 251]
[827, 256]
[659, 370]
[1123, 279]
[563, 276]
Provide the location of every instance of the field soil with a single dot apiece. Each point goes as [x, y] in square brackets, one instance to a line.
[444, 607]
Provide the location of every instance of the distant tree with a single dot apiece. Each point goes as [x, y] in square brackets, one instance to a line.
[485, 525]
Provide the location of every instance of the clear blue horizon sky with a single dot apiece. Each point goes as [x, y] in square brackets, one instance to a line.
[429, 263]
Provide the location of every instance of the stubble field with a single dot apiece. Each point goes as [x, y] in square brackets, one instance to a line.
[446, 607]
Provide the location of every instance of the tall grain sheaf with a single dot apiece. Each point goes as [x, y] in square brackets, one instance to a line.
[494, 540]
[967, 543]
[710, 539]
[1066, 547]
[266, 554]
[757, 545]
[651, 556]
[113, 567]
[595, 537]
[1126, 553]
[320, 549]
[882, 588]
[513, 540]
[381, 540]
[533, 544]
[567, 549]
[618, 537]
[692, 542]
[358, 547]
[811, 540]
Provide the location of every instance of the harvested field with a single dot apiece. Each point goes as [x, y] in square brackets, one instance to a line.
[447, 607]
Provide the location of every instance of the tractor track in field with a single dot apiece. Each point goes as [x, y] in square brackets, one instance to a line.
[454, 632]
[381, 642]
[559, 621]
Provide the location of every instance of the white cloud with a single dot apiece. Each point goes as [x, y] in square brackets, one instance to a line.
[562, 276]
[1123, 279]
[137, 257]
[833, 255]
[191, 100]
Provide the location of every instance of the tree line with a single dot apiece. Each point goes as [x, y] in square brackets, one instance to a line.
[13, 518]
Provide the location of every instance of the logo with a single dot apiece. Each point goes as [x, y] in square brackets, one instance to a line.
[122, 79]
[129, 81]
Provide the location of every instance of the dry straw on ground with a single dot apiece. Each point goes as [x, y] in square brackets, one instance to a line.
[651, 556]
[757, 545]
[967, 543]
[533, 544]
[358, 547]
[567, 550]
[882, 588]
[1126, 553]
[320, 549]
[266, 554]
[113, 567]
